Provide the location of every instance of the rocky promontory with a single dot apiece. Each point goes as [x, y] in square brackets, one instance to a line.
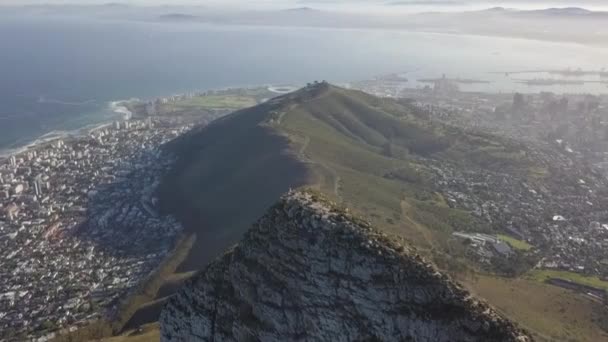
[309, 271]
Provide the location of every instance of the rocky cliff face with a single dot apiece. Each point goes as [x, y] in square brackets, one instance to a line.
[307, 271]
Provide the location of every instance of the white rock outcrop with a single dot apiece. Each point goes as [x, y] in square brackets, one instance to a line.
[307, 271]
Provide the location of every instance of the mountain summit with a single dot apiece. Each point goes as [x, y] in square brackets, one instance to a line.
[307, 270]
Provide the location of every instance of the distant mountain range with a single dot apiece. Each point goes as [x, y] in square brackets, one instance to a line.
[425, 3]
[568, 24]
[178, 17]
[301, 9]
[564, 11]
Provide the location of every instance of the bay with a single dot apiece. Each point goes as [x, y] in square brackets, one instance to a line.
[62, 73]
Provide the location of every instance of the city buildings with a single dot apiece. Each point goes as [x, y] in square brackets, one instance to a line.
[79, 227]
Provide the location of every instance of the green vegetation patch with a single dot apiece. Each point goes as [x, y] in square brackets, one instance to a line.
[446, 219]
[218, 102]
[543, 275]
[515, 243]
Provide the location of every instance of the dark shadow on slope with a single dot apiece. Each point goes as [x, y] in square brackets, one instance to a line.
[146, 314]
[226, 176]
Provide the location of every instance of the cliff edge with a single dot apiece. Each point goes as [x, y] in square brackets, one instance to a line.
[309, 271]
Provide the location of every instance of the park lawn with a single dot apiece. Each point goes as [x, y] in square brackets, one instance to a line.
[542, 275]
[218, 101]
[515, 243]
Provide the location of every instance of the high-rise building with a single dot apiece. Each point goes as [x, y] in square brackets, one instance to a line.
[18, 189]
[13, 161]
[37, 189]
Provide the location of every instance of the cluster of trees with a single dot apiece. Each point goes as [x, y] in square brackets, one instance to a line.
[513, 266]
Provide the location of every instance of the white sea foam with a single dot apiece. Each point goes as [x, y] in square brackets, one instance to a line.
[119, 107]
[114, 106]
[44, 99]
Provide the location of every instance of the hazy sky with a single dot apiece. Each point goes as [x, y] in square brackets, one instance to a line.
[404, 5]
[312, 3]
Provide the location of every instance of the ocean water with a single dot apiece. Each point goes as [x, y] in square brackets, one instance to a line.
[61, 73]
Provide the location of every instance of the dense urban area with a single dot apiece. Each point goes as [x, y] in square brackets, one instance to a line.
[80, 216]
[557, 223]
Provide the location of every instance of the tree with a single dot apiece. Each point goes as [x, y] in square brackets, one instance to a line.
[48, 325]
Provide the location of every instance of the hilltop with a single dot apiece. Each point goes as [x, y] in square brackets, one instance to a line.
[358, 148]
[307, 270]
[378, 156]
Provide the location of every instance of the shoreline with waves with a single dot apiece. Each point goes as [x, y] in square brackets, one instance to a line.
[117, 108]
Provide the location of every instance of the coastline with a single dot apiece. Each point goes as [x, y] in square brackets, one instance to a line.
[120, 111]
[143, 170]
[119, 107]
[116, 107]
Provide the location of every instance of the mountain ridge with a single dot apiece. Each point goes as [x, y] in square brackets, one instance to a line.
[321, 136]
[365, 153]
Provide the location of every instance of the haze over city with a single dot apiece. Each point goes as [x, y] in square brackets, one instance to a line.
[357, 5]
[303, 170]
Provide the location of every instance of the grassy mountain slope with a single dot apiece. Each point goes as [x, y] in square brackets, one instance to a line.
[368, 152]
[371, 154]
